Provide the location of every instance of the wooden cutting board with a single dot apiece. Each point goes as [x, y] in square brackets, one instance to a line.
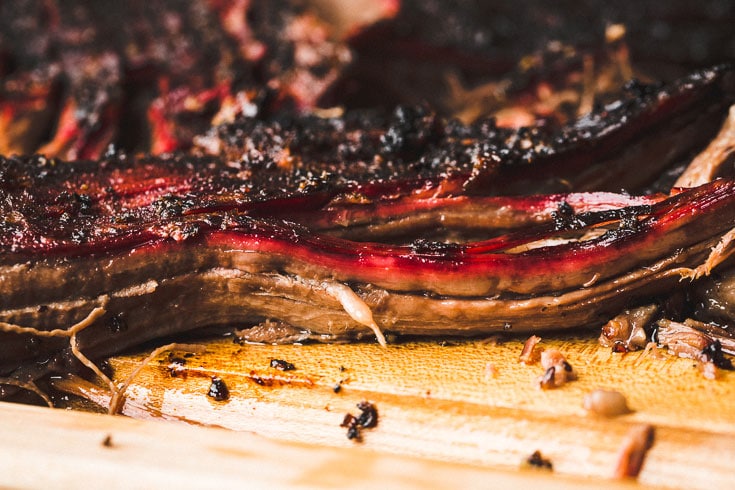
[468, 403]
[44, 448]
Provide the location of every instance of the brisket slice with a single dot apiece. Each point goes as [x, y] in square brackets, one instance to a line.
[292, 168]
[133, 236]
[648, 128]
[233, 297]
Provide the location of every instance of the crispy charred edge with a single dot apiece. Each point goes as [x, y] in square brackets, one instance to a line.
[46, 200]
[522, 262]
[623, 144]
[150, 188]
[123, 186]
[600, 150]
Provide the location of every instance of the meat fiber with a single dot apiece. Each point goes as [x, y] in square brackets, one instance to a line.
[135, 243]
[650, 128]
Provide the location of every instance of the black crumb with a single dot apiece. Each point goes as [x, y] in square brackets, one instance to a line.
[338, 385]
[107, 441]
[218, 390]
[367, 419]
[537, 460]
[369, 416]
[282, 365]
[176, 366]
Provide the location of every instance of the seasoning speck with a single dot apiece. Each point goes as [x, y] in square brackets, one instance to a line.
[107, 441]
[176, 366]
[218, 390]
[537, 460]
[282, 365]
[367, 419]
[369, 416]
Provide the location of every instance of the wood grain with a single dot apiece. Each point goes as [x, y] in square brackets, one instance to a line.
[44, 448]
[469, 403]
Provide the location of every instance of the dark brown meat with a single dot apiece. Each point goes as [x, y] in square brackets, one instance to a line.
[258, 223]
[627, 331]
[132, 235]
[715, 297]
[648, 129]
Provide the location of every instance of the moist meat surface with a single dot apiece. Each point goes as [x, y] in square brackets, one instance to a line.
[258, 218]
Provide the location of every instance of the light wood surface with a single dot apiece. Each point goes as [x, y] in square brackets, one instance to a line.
[467, 403]
[44, 448]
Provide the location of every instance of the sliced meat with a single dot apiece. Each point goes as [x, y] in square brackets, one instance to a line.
[185, 271]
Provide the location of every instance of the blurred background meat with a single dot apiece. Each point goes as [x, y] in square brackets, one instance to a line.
[147, 76]
[472, 57]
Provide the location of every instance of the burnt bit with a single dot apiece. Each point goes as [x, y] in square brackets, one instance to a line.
[276, 380]
[176, 366]
[367, 419]
[170, 206]
[337, 388]
[566, 219]
[557, 372]
[369, 416]
[107, 441]
[353, 431]
[84, 202]
[422, 246]
[537, 460]
[260, 380]
[282, 365]
[218, 390]
[713, 353]
[630, 220]
[117, 323]
[547, 381]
